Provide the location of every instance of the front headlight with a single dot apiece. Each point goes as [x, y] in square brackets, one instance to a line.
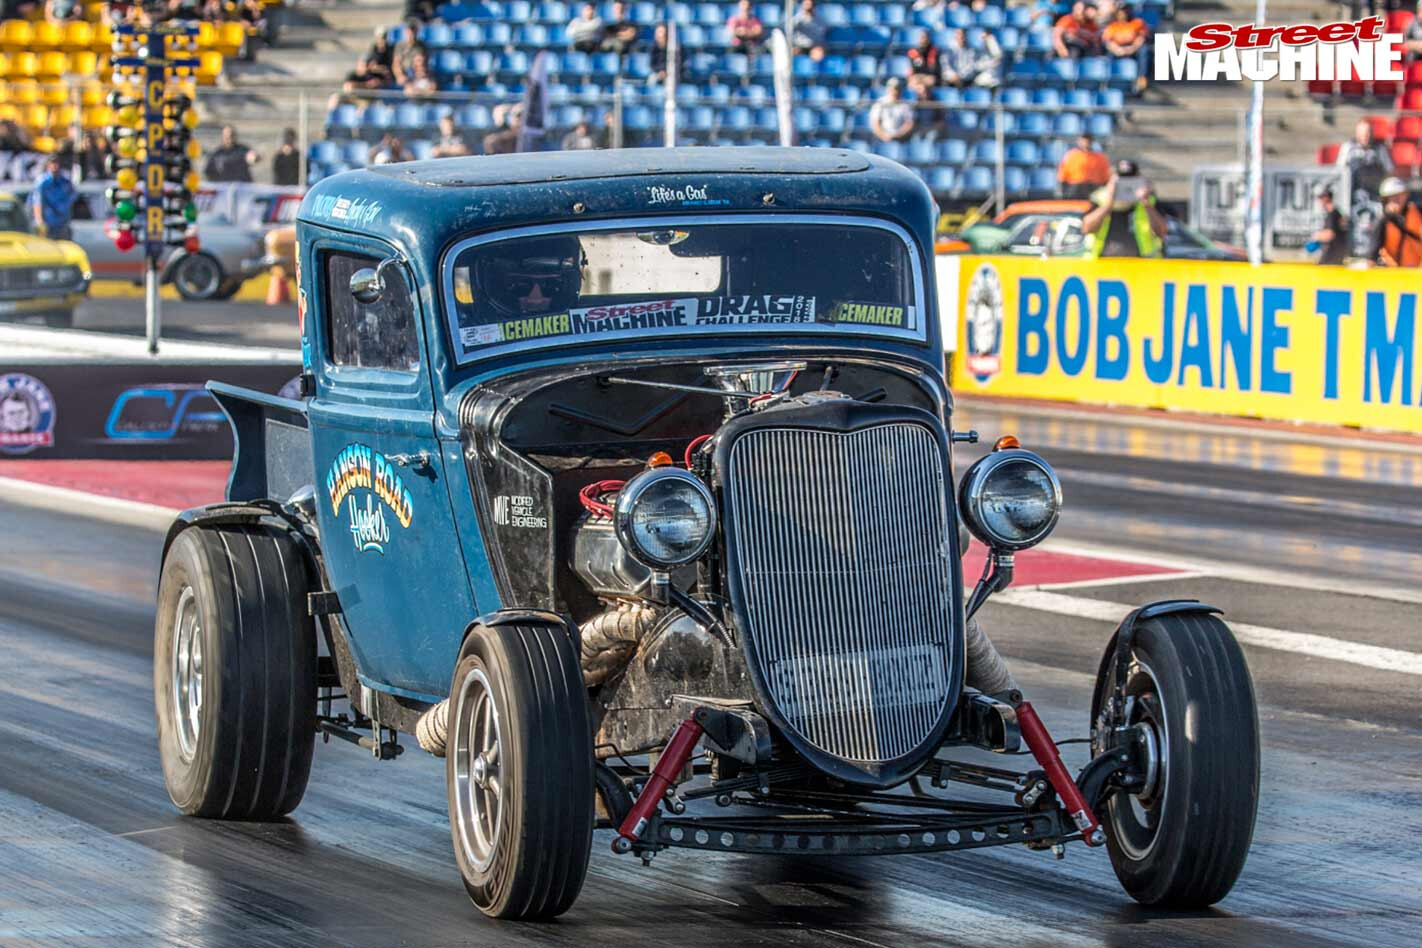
[1010, 499]
[46, 275]
[665, 517]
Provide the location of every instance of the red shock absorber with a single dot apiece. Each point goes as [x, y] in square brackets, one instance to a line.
[1043, 748]
[677, 753]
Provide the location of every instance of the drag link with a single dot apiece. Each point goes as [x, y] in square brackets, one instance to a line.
[669, 764]
[1040, 743]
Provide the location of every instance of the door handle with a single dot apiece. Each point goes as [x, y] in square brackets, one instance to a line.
[419, 461]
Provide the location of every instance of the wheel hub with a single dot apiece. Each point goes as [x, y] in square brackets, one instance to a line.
[187, 674]
[478, 790]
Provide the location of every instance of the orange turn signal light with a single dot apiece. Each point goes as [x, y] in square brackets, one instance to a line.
[660, 459]
[1006, 442]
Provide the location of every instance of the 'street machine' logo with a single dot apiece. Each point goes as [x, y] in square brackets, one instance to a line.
[1210, 52]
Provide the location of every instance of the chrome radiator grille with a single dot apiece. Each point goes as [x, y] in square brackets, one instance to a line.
[842, 554]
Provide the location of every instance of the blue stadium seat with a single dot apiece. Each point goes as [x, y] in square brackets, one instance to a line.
[1025, 70]
[847, 94]
[831, 120]
[1042, 180]
[534, 35]
[554, 11]
[859, 145]
[863, 14]
[818, 96]
[1023, 151]
[866, 67]
[1038, 124]
[737, 118]
[448, 62]
[1100, 125]
[892, 15]
[1014, 97]
[1020, 17]
[469, 35]
[378, 116]
[474, 116]
[356, 153]
[964, 121]
[701, 119]
[1009, 37]
[315, 170]
[977, 181]
[834, 67]
[513, 63]
[518, 11]
[409, 116]
[1014, 181]
[1068, 125]
[644, 13]
[421, 148]
[894, 151]
[922, 151]
[942, 180]
[690, 36]
[767, 119]
[948, 95]
[498, 34]
[717, 95]
[985, 151]
[576, 64]
[1047, 97]
[639, 118]
[1079, 99]
[1113, 100]
[977, 96]
[605, 64]
[1053, 151]
[1007, 120]
[436, 35]
[344, 116]
[958, 17]
[711, 15]
[991, 18]
[325, 151]
[1124, 72]
[1039, 40]
[953, 151]
[734, 64]
[769, 14]
[834, 15]
[1095, 69]
[1064, 70]
[639, 65]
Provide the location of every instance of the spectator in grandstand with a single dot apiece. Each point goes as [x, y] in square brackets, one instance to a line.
[405, 52]
[744, 31]
[1332, 237]
[1077, 34]
[286, 161]
[891, 118]
[809, 33]
[253, 15]
[13, 137]
[964, 66]
[585, 32]
[580, 138]
[1127, 37]
[92, 158]
[367, 76]
[52, 201]
[924, 67]
[18, 9]
[422, 10]
[451, 143]
[231, 160]
[658, 71]
[60, 11]
[1412, 36]
[619, 34]
[1366, 160]
[1083, 169]
[1123, 220]
[508, 120]
[382, 53]
[389, 150]
[420, 83]
[1397, 242]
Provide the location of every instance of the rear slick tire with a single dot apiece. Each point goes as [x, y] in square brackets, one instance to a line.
[519, 771]
[1182, 843]
[234, 673]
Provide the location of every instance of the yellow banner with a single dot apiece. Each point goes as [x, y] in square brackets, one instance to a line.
[1291, 342]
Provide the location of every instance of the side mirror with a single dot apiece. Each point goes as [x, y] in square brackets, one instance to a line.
[368, 285]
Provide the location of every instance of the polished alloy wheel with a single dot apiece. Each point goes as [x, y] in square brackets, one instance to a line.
[1136, 816]
[478, 782]
[187, 673]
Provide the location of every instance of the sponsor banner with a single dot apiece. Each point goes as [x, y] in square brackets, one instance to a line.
[136, 411]
[1290, 342]
[1219, 201]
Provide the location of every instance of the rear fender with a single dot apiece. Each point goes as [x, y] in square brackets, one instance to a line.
[272, 457]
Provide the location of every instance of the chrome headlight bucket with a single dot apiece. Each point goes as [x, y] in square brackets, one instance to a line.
[665, 517]
[1010, 499]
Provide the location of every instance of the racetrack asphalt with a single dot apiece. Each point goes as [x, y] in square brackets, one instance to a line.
[91, 850]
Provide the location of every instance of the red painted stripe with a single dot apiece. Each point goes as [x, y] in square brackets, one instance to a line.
[184, 484]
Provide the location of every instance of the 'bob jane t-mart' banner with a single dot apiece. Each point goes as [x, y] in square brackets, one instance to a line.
[1300, 343]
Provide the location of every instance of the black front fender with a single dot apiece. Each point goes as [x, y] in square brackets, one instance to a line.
[1117, 657]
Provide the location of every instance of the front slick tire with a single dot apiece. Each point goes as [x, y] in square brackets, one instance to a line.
[1182, 843]
[519, 771]
[234, 673]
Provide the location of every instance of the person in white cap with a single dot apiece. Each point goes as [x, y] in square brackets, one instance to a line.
[1398, 239]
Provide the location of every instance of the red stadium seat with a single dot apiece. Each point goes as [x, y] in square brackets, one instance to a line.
[1411, 101]
[1382, 127]
[1408, 129]
[1405, 156]
[1350, 87]
[1328, 154]
[1414, 73]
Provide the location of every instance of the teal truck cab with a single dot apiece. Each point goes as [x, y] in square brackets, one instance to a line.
[601, 458]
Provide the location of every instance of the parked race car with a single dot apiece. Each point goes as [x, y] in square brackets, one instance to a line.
[1052, 228]
[38, 276]
[229, 255]
[605, 457]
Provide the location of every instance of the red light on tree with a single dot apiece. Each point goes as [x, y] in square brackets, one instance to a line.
[191, 243]
[124, 240]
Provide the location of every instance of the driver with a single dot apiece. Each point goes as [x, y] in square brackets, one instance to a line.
[531, 277]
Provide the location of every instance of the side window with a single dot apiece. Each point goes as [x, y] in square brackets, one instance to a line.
[380, 335]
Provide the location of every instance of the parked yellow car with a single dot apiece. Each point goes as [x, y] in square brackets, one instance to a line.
[37, 275]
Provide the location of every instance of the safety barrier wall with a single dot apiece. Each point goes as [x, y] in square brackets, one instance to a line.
[1300, 343]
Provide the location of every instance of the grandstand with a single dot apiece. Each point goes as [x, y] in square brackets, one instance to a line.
[481, 52]
[54, 76]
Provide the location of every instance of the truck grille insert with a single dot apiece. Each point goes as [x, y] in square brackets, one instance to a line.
[842, 552]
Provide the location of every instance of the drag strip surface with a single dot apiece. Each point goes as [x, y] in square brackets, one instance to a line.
[92, 851]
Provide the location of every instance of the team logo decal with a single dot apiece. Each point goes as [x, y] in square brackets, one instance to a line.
[983, 331]
[26, 414]
[368, 485]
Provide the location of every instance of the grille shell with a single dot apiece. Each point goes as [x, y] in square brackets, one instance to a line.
[841, 563]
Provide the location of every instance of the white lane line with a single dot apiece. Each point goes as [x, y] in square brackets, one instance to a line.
[131, 513]
[1167, 577]
[1259, 576]
[1299, 643]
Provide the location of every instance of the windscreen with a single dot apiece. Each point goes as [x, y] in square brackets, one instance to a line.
[664, 280]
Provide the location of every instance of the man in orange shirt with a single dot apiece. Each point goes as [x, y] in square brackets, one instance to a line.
[1077, 34]
[1083, 169]
[1398, 242]
[1127, 36]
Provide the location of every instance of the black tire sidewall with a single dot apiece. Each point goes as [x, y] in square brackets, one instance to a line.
[188, 564]
[200, 258]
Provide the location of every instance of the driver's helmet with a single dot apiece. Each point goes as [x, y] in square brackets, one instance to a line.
[531, 277]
